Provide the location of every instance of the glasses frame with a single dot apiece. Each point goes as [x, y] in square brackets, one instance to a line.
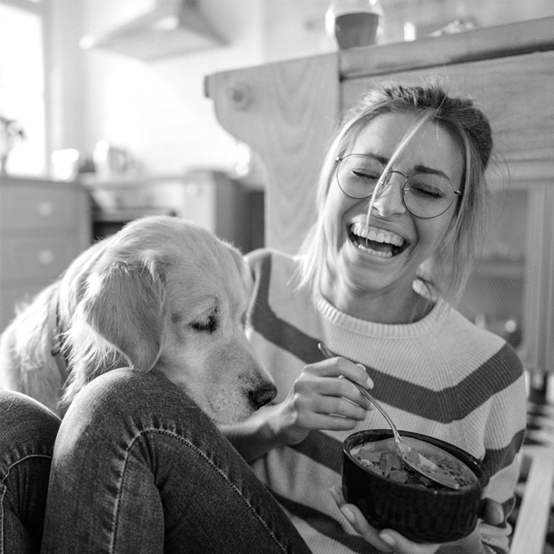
[387, 174]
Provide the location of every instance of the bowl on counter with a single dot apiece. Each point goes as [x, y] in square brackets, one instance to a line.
[392, 497]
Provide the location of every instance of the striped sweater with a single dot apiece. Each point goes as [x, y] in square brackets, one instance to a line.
[441, 376]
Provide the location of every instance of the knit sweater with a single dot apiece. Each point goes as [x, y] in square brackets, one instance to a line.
[441, 376]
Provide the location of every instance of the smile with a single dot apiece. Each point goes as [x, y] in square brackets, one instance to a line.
[377, 242]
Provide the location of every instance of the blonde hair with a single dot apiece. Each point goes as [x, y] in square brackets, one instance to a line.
[469, 127]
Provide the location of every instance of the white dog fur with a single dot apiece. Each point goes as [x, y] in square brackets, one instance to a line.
[162, 294]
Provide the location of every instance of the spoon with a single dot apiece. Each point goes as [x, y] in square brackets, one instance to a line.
[409, 455]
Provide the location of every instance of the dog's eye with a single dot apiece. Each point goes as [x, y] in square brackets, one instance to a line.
[209, 325]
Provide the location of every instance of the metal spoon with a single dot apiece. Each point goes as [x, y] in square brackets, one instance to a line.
[409, 455]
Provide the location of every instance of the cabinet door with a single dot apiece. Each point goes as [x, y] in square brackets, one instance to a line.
[495, 293]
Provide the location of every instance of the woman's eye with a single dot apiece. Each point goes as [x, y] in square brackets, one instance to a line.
[208, 325]
[364, 175]
[427, 191]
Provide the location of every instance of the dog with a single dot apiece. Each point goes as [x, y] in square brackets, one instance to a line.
[162, 294]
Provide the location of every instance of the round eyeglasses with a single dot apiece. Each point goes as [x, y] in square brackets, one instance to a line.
[425, 195]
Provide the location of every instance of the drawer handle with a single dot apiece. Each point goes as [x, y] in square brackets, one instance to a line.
[46, 208]
[46, 257]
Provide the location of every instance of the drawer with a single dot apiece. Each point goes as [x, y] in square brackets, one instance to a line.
[33, 257]
[25, 206]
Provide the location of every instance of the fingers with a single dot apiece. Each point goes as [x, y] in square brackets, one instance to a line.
[401, 545]
[333, 367]
[492, 512]
[386, 540]
[358, 522]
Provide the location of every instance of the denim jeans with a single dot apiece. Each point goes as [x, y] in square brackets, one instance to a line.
[27, 434]
[139, 468]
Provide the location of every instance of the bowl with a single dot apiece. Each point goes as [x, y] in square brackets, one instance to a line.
[419, 510]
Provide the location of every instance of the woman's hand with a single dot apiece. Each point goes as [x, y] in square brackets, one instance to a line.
[321, 399]
[385, 540]
[388, 540]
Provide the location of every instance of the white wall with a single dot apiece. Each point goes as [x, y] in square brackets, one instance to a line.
[155, 109]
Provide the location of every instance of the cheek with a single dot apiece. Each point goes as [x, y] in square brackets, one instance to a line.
[432, 233]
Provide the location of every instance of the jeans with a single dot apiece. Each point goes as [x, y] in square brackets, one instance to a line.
[139, 468]
[27, 434]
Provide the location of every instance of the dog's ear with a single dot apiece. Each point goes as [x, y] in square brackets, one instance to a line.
[127, 307]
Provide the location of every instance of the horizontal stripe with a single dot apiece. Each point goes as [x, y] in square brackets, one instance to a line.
[498, 459]
[468, 395]
[323, 449]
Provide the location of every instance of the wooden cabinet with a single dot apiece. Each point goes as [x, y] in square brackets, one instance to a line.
[44, 225]
[287, 110]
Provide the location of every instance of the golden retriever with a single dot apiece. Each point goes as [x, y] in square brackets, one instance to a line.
[162, 294]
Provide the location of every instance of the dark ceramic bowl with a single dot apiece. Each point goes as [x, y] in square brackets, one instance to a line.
[418, 513]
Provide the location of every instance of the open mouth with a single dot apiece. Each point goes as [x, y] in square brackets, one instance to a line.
[377, 242]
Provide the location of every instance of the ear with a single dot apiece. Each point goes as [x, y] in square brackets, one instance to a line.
[127, 307]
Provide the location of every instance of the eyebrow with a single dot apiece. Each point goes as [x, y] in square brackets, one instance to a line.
[418, 168]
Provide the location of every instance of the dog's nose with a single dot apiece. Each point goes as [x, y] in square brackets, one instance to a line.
[263, 395]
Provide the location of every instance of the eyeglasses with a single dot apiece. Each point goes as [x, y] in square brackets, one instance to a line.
[425, 195]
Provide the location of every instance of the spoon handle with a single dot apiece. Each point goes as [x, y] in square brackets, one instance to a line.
[404, 447]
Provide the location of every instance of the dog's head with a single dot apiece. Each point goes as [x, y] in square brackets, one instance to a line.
[166, 295]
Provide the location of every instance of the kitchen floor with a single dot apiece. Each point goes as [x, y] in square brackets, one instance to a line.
[540, 430]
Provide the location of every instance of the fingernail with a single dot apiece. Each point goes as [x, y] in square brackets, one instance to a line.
[347, 514]
[369, 382]
[387, 539]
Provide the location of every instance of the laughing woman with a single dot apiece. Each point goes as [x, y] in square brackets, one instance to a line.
[400, 209]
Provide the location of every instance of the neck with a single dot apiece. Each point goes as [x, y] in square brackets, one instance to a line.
[393, 307]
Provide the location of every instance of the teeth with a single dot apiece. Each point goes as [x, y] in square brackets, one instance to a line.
[374, 252]
[377, 235]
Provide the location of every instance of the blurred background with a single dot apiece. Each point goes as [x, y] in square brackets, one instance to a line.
[69, 86]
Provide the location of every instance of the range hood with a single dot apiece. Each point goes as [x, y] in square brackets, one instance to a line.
[171, 28]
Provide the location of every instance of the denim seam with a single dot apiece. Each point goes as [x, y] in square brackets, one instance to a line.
[49, 456]
[2, 519]
[4, 489]
[200, 453]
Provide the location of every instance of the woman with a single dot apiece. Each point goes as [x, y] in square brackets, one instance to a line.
[399, 214]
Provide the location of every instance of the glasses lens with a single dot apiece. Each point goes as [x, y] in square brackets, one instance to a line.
[357, 175]
[428, 195]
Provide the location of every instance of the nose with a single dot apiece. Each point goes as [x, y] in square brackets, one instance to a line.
[390, 198]
[262, 395]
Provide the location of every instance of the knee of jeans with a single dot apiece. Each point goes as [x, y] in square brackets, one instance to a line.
[27, 428]
[126, 394]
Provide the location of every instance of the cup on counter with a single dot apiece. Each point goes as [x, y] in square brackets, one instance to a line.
[354, 23]
[65, 164]
[111, 161]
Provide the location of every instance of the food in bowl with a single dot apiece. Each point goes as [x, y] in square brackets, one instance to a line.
[381, 457]
[421, 511]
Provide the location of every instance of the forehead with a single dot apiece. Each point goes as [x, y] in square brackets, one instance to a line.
[431, 145]
[203, 272]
